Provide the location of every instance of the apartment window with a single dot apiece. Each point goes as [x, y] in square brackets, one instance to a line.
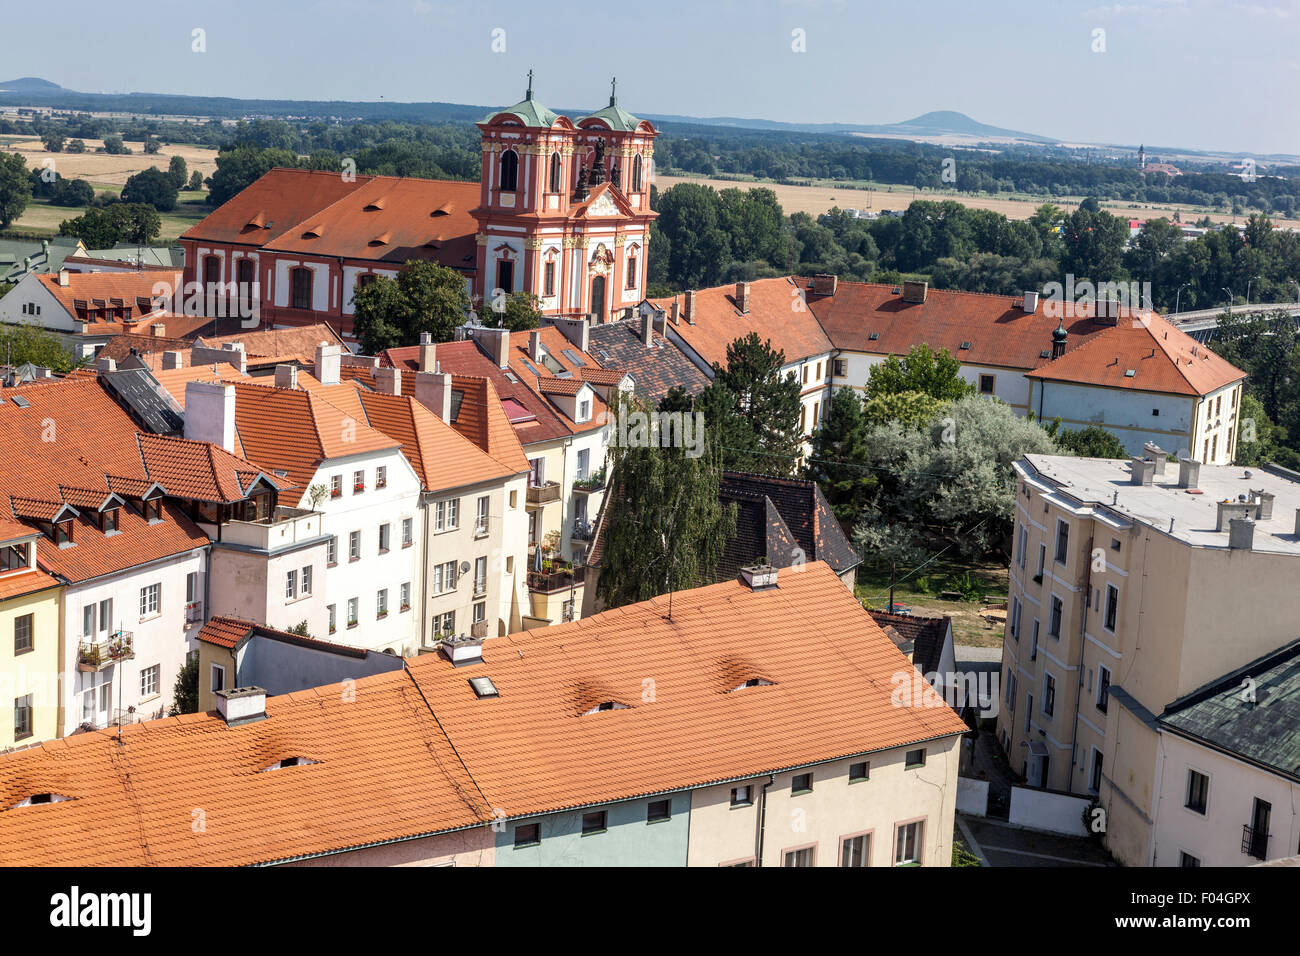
[1015, 618]
[986, 384]
[446, 623]
[584, 410]
[480, 575]
[149, 680]
[23, 717]
[22, 633]
[149, 598]
[1198, 791]
[1042, 560]
[381, 602]
[740, 796]
[802, 783]
[332, 551]
[381, 476]
[446, 515]
[218, 681]
[1062, 541]
[383, 538]
[1187, 861]
[291, 585]
[914, 759]
[1112, 606]
[1029, 712]
[658, 810]
[1094, 781]
[584, 463]
[334, 617]
[1011, 691]
[444, 577]
[480, 612]
[305, 577]
[840, 367]
[907, 846]
[801, 857]
[1103, 688]
[805, 375]
[1033, 642]
[1022, 546]
[1049, 695]
[354, 546]
[859, 771]
[1054, 624]
[358, 482]
[593, 822]
[88, 621]
[353, 607]
[856, 850]
[527, 834]
[408, 532]
[300, 279]
[406, 596]
[336, 486]
[481, 517]
[548, 283]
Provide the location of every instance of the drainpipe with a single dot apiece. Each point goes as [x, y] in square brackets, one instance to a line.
[762, 819]
[1083, 639]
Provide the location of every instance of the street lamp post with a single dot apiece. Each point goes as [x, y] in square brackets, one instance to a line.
[1178, 296]
[1229, 291]
[1248, 282]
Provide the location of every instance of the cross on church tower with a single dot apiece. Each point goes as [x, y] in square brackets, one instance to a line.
[528, 95]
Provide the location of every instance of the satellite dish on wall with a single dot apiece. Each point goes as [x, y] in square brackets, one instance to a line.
[464, 567]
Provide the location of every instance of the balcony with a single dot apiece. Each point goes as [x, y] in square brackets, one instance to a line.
[286, 526]
[481, 527]
[194, 612]
[582, 530]
[480, 587]
[589, 484]
[544, 493]
[1254, 843]
[93, 656]
[478, 629]
[555, 580]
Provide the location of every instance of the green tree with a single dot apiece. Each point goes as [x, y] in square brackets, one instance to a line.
[1091, 442]
[114, 146]
[924, 370]
[185, 692]
[519, 313]
[72, 192]
[196, 181]
[241, 165]
[152, 146]
[120, 222]
[425, 297]
[839, 462]
[912, 409]
[665, 526]
[178, 171]
[15, 188]
[20, 344]
[1094, 245]
[151, 186]
[754, 409]
[698, 247]
[1260, 441]
[53, 142]
[76, 146]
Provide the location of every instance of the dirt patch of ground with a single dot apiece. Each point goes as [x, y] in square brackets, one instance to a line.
[101, 169]
[971, 625]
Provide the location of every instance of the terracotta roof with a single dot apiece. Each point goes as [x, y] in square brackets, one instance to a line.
[126, 287]
[601, 376]
[1161, 357]
[771, 314]
[271, 205]
[299, 342]
[120, 347]
[200, 470]
[922, 638]
[21, 583]
[174, 380]
[392, 219]
[560, 386]
[228, 632]
[999, 332]
[386, 769]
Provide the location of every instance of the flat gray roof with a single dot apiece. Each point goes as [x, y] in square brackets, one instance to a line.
[1106, 484]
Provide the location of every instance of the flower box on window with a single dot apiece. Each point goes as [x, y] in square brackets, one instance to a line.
[336, 492]
[352, 622]
[381, 614]
[357, 489]
[406, 606]
[381, 482]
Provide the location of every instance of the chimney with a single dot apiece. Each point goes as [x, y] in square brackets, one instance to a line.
[158, 330]
[173, 360]
[106, 365]
[63, 277]
[210, 413]
[286, 376]
[676, 313]
[1105, 312]
[388, 381]
[232, 353]
[433, 391]
[535, 345]
[915, 292]
[690, 306]
[241, 705]
[759, 576]
[825, 284]
[742, 296]
[1143, 470]
[647, 326]
[1264, 504]
[463, 650]
[428, 352]
[1030, 305]
[1189, 472]
[1229, 511]
[1241, 533]
[329, 364]
[498, 344]
[1157, 454]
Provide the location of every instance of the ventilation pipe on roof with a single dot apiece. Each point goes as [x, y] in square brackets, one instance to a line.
[329, 364]
[1263, 504]
[63, 277]
[535, 345]
[1030, 305]
[388, 381]
[286, 376]
[428, 352]
[433, 391]
[463, 650]
[676, 314]
[241, 705]
[497, 343]
[647, 329]
[759, 576]
[1143, 470]
[1229, 511]
[234, 357]
[1157, 454]
[210, 413]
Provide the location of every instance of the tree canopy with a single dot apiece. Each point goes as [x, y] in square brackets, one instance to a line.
[425, 297]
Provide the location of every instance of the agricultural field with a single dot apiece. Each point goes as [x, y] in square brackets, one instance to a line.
[102, 170]
[42, 218]
[819, 198]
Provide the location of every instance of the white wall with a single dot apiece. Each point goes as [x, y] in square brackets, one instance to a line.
[1041, 810]
[1130, 415]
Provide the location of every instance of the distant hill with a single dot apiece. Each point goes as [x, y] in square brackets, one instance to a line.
[30, 84]
[949, 122]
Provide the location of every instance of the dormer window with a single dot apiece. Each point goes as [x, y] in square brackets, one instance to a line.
[607, 705]
[584, 411]
[108, 521]
[63, 532]
[152, 510]
[15, 557]
[38, 798]
[290, 762]
[752, 682]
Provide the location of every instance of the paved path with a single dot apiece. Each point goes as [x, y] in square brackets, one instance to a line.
[1001, 844]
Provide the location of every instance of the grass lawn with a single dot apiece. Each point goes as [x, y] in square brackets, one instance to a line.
[982, 584]
[42, 218]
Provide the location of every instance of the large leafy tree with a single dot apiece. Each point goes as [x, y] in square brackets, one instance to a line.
[840, 457]
[519, 312]
[665, 526]
[698, 246]
[925, 370]
[1091, 442]
[15, 188]
[425, 297]
[241, 165]
[120, 222]
[151, 186]
[1094, 245]
[753, 409]
[31, 343]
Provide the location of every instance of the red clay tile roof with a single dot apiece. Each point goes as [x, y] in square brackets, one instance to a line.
[86, 287]
[201, 470]
[298, 343]
[21, 583]
[926, 635]
[271, 205]
[386, 768]
[227, 632]
[1000, 333]
[772, 314]
[1162, 357]
[559, 386]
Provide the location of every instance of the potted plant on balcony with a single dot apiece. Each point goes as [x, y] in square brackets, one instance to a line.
[88, 658]
[316, 494]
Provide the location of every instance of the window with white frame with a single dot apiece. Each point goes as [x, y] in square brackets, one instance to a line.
[408, 532]
[383, 537]
[149, 680]
[907, 848]
[480, 612]
[290, 585]
[332, 550]
[584, 463]
[446, 515]
[218, 679]
[358, 482]
[150, 598]
[336, 486]
[444, 577]
[406, 596]
[304, 579]
[445, 623]
[381, 603]
[352, 611]
[334, 617]
[354, 546]
[480, 575]
[381, 476]
[856, 850]
[481, 516]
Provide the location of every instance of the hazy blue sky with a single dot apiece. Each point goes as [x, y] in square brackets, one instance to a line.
[1215, 74]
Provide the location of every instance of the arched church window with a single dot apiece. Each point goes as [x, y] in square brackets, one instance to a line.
[636, 173]
[555, 172]
[509, 171]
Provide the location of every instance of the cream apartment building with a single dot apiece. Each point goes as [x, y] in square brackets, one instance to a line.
[1128, 586]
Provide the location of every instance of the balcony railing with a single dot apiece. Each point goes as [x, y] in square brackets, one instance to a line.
[555, 580]
[481, 527]
[194, 612]
[480, 586]
[543, 493]
[590, 483]
[1254, 843]
[96, 655]
[582, 530]
[478, 629]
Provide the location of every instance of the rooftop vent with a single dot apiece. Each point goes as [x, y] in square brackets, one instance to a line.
[38, 798]
[1230, 511]
[289, 762]
[1157, 454]
[1189, 473]
[1130, 372]
[873, 336]
[22, 402]
[965, 345]
[606, 705]
[1143, 470]
[483, 687]
[241, 705]
[1030, 305]
[759, 576]
[1241, 533]
[463, 650]
[752, 682]
[1045, 353]
[824, 284]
